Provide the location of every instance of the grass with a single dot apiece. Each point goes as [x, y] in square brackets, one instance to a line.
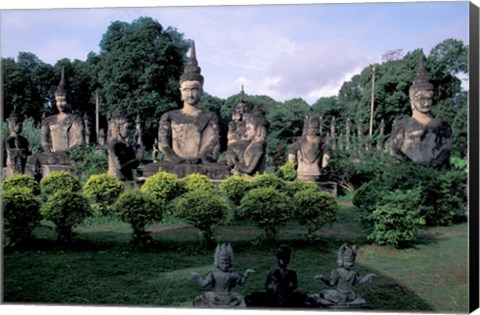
[104, 268]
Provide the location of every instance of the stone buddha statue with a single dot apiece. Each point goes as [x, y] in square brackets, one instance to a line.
[309, 152]
[247, 156]
[63, 131]
[16, 145]
[123, 157]
[190, 135]
[421, 139]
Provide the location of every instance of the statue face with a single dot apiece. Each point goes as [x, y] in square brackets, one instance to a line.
[191, 92]
[61, 102]
[250, 132]
[15, 126]
[123, 128]
[421, 100]
[224, 264]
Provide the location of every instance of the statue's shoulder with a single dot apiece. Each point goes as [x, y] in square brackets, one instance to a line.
[52, 119]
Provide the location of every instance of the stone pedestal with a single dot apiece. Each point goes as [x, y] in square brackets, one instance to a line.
[213, 171]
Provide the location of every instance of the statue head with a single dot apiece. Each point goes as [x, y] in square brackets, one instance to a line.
[256, 126]
[15, 123]
[421, 90]
[61, 94]
[121, 124]
[346, 256]
[312, 126]
[223, 257]
[191, 81]
[283, 255]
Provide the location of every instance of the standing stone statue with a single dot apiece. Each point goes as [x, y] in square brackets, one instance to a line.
[223, 278]
[190, 135]
[122, 156]
[421, 139]
[247, 155]
[343, 278]
[63, 131]
[87, 124]
[309, 152]
[16, 145]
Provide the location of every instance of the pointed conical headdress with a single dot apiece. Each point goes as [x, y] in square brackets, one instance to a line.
[223, 251]
[61, 91]
[192, 70]
[421, 80]
[14, 114]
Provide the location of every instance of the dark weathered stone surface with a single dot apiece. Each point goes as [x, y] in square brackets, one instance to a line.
[213, 170]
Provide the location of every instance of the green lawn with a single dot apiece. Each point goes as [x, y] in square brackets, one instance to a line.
[104, 268]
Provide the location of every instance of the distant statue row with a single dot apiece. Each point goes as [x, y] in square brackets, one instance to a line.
[282, 283]
[189, 137]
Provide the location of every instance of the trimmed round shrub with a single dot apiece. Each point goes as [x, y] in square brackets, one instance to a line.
[314, 208]
[397, 220]
[21, 213]
[287, 171]
[66, 209]
[268, 180]
[163, 186]
[197, 182]
[103, 190]
[234, 188]
[139, 209]
[204, 210]
[22, 180]
[366, 198]
[268, 208]
[59, 181]
[298, 185]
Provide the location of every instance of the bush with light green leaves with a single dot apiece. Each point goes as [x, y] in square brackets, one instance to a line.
[103, 190]
[195, 181]
[22, 180]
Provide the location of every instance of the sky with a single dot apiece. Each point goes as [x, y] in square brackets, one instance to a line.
[284, 51]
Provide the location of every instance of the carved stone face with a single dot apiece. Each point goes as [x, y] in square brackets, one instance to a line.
[224, 264]
[191, 92]
[124, 128]
[250, 132]
[61, 102]
[421, 100]
[15, 126]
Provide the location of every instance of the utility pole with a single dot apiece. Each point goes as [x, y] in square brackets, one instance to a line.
[97, 115]
[370, 133]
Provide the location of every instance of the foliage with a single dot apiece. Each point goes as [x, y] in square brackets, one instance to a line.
[298, 186]
[21, 213]
[194, 181]
[139, 209]
[313, 209]
[287, 171]
[268, 180]
[66, 209]
[22, 180]
[459, 164]
[396, 221]
[204, 210]
[268, 208]
[103, 190]
[366, 198]
[162, 185]
[87, 161]
[59, 181]
[234, 188]
[139, 65]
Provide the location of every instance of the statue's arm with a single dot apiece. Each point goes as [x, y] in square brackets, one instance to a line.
[165, 139]
[243, 278]
[366, 278]
[396, 140]
[45, 137]
[210, 151]
[78, 130]
[204, 282]
[252, 163]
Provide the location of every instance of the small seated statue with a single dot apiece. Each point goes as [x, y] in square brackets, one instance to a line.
[280, 285]
[122, 156]
[343, 278]
[421, 139]
[17, 146]
[190, 135]
[247, 155]
[309, 152]
[63, 131]
[223, 278]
